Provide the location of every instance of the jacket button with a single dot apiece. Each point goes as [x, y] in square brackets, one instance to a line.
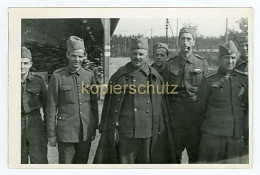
[78, 85]
[116, 111]
[119, 99]
[148, 102]
[135, 109]
[80, 103]
[79, 94]
[60, 118]
[147, 111]
[159, 133]
[113, 124]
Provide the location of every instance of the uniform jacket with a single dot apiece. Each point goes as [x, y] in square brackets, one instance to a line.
[162, 150]
[34, 94]
[220, 100]
[73, 105]
[187, 74]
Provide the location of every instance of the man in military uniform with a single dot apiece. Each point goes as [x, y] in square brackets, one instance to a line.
[34, 96]
[134, 122]
[70, 96]
[186, 71]
[160, 57]
[220, 98]
[242, 63]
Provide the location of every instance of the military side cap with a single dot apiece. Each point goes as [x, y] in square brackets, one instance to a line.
[26, 53]
[189, 30]
[242, 39]
[138, 43]
[160, 45]
[75, 43]
[227, 48]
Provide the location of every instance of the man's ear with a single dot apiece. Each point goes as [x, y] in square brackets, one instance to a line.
[194, 43]
[31, 64]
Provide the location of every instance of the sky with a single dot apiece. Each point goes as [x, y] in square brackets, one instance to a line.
[206, 26]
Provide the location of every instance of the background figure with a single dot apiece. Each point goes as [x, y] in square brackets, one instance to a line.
[242, 63]
[186, 71]
[71, 97]
[160, 57]
[134, 123]
[34, 96]
[220, 99]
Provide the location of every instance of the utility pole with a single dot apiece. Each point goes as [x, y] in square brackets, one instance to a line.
[167, 22]
[226, 29]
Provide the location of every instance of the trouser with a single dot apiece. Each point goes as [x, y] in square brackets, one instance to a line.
[222, 149]
[33, 139]
[134, 151]
[74, 153]
[185, 129]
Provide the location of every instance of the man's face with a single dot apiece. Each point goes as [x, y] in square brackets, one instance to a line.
[76, 58]
[160, 57]
[228, 62]
[243, 49]
[26, 64]
[186, 42]
[138, 57]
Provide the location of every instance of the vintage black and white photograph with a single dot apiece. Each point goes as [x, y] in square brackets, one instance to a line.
[124, 87]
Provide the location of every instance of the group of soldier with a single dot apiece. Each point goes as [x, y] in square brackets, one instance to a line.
[207, 115]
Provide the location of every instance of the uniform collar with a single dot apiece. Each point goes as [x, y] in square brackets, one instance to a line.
[223, 72]
[189, 59]
[78, 72]
[131, 69]
[29, 77]
[161, 70]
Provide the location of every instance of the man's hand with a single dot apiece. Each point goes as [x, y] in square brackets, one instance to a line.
[52, 141]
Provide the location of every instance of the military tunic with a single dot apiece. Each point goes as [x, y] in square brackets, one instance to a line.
[76, 108]
[220, 99]
[186, 74]
[33, 140]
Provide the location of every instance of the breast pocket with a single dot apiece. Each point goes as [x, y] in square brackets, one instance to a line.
[33, 96]
[66, 94]
[175, 75]
[196, 76]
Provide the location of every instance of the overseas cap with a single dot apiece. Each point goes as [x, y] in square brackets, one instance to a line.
[138, 43]
[160, 45]
[242, 39]
[227, 48]
[75, 43]
[26, 53]
[188, 30]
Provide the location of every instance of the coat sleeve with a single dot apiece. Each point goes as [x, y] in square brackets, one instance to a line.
[52, 105]
[94, 101]
[106, 106]
[202, 97]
